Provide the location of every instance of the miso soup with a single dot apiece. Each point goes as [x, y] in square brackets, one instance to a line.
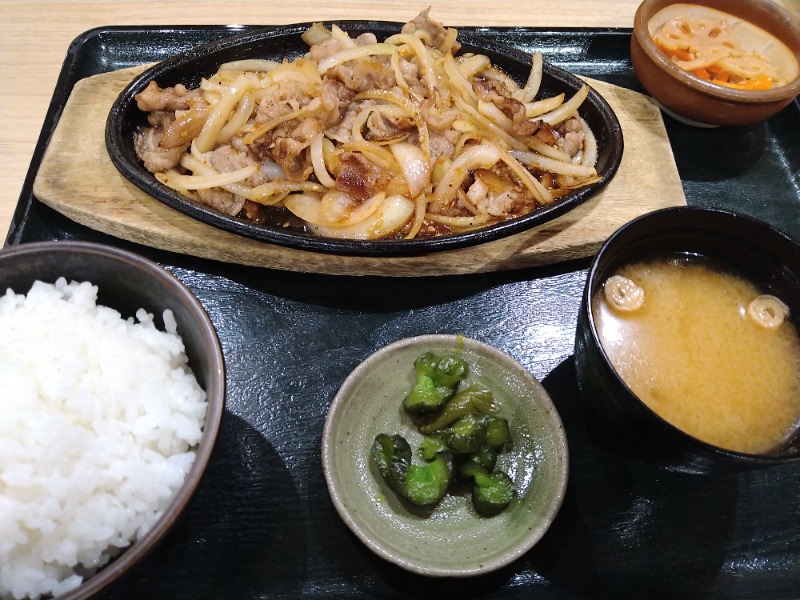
[677, 331]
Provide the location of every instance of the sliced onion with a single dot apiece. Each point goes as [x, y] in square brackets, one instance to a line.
[272, 192]
[399, 78]
[326, 64]
[318, 162]
[537, 190]
[457, 81]
[367, 208]
[250, 64]
[528, 93]
[272, 170]
[316, 34]
[412, 162]
[375, 153]
[480, 156]
[168, 179]
[221, 111]
[204, 182]
[423, 57]
[545, 105]
[341, 36]
[450, 37]
[471, 65]
[411, 107]
[563, 112]
[302, 70]
[492, 73]
[545, 163]
[589, 145]
[545, 149]
[490, 110]
[485, 124]
[460, 222]
[391, 217]
[494, 182]
[420, 206]
[333, 209]
[338, 209]
[185, 127]
[238, 119]
[307, 207]
[197, 164]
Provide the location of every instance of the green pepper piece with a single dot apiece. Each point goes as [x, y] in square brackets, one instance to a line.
[436, 381]
[474, 398]
[392, 455]
[497, 431]
[484, 460]
[466, 435]
[491, 492]
[467, 470]
[431, 446]
[427, 484]
[450, 370]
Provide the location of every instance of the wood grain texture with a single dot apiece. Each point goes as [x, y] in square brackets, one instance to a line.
[78, 179]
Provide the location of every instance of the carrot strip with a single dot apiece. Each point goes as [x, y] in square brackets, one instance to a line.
[762, 82]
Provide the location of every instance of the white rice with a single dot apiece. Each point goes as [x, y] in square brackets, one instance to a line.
[98, 417]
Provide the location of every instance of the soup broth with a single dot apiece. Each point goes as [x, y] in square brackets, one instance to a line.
[691, 353]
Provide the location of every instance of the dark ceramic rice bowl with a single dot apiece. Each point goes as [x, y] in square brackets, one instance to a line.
[127, 282]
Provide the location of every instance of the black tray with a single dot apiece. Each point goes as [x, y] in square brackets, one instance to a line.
[262, 525]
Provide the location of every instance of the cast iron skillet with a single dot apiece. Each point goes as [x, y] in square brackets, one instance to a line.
[285, 42]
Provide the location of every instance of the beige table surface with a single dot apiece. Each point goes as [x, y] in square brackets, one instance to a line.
[35, 36]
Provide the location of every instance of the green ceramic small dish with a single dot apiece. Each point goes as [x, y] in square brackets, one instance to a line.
[450, 540]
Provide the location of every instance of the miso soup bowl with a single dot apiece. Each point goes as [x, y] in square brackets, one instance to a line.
[616, 415]
[698, 102]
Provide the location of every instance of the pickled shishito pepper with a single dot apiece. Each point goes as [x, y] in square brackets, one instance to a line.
[483, 461]
[473, 431]
[498, 432]
[463, 437]
[432, 445]
[436, 381]
[466, 435]
[475, 398]
[427, 484]
[491, 492]
[420, 484]
[392, 455]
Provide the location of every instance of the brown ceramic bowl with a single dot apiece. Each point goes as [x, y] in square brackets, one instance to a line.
[699, 102]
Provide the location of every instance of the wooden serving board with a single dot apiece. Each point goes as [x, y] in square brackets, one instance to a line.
[77, 179]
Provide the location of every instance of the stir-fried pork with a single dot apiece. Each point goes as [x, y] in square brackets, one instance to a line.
[358, 117]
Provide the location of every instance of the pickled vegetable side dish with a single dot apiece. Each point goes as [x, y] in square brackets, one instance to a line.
[463, 437]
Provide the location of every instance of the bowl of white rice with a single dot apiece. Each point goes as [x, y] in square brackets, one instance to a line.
[113, 388]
